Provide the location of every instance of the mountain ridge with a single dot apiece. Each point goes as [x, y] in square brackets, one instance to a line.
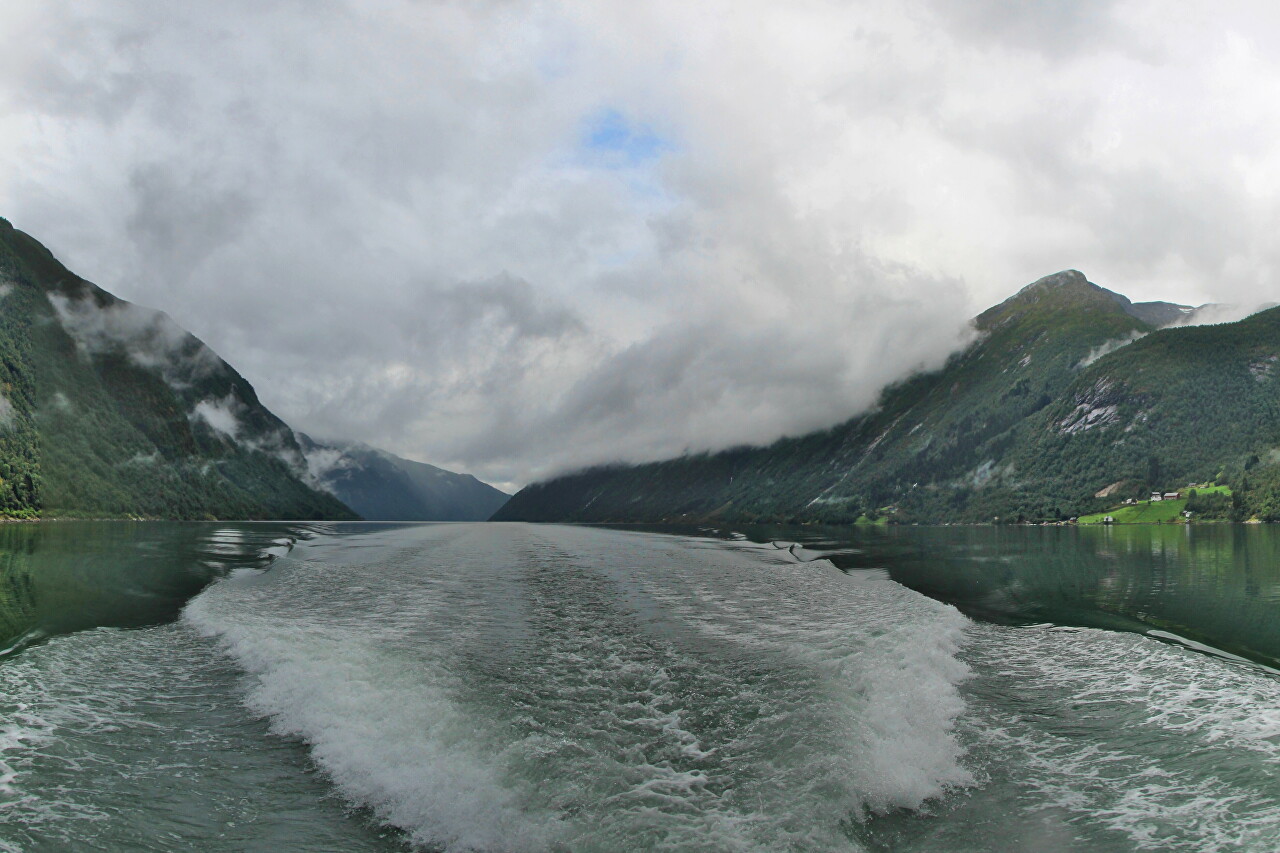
[382, 486]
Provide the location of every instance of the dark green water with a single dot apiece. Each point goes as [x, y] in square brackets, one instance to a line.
[512, 687]
[61, 577]
[1213, 584]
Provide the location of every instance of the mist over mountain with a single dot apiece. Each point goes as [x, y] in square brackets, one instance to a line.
[111, 409]
[1069, 389]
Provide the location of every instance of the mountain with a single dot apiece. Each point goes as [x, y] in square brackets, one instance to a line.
[111, 409]
[1160, 313]
[384, 487]
[1157, 314]
[1068, 390]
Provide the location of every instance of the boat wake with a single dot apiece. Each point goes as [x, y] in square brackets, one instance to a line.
[519, 688]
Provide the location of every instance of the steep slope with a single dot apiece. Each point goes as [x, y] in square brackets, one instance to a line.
[1067, 390]
[384, 487]
[110, 409]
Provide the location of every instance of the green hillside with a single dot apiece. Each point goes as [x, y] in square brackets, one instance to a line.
[1067, 392]
[110, 409]
[1183, 405]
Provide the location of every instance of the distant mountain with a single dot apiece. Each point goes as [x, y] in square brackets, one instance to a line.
[1159, 314]
[111, 409]
[1163, 314]
[384, 487]
[1069, 390]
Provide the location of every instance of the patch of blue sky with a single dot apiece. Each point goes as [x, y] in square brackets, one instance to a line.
[627, 154]
[611, 140]
[632, 151]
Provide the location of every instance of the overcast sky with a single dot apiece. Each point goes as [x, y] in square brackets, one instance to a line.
[515, 238]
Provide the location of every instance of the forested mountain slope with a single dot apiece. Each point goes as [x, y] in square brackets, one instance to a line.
[1067, 390]
[1179, 406]
[110, 409]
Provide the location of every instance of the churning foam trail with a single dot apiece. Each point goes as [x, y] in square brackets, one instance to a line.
[506, 687]
[1166, 747]
[380, 724]
[887, 656]
[137, 739]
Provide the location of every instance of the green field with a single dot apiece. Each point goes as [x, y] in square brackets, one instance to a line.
[1145, 512]
[1151, 512]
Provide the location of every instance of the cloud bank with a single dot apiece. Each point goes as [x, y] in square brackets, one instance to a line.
[514, 238]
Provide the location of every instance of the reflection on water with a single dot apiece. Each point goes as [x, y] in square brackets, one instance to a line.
[1215, 584]
[17, 596]
[59, 577]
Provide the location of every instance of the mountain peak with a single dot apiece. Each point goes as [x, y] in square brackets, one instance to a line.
[1067, 284]
[1057, 280]
[1069, 289]
[384, 487]
[1063, 291]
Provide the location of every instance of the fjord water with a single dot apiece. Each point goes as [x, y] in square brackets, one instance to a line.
[518, 687]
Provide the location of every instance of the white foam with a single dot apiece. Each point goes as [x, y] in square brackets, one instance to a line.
[1159, 743]
[889, 655]
[34, 708]
[382, 727]
[278, 548]
[137, 739]
[490, 689]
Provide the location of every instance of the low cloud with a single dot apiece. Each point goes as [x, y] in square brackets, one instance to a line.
[323, 460]
[220, 415]
[512, 238]
[149, 338]
[1107, 347]
[1208, 315]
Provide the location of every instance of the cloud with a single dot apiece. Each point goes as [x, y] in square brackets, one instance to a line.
[323, 460]
[511, 237]
[219, 415]
[1207, 315]
[1057, 28]
[149, 338]
[1110, 346]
